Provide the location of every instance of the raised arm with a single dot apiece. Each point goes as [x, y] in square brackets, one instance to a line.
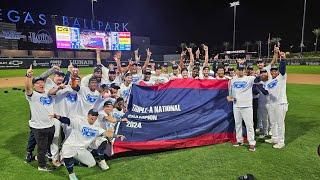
[145, 65]
[62, 119]
[28, 81]
[54, 90]
[276, 52]
[136, 55]
[49, 72]
[181, 61]
[206, 56]
[283, 64]
[191, 57]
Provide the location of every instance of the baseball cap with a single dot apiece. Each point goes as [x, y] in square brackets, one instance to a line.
[107, 103]
[151, 61]
[93, 112]
[165, 64]
[259, 61]
[147, 72]
[241, 67]
[250, 67]
[112, 71]
[175, 66]
[197, 63]
[123, 64]
[263, 71]
[127, 74]
[104, 86]
[114, 86]
[36, 79]
[247, 177]
[59, 73]
[274, 68]
[138, 64]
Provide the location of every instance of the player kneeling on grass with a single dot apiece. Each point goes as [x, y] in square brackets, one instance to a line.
[83, 133]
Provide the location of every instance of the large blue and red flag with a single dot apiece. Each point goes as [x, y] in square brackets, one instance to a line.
[179, 114]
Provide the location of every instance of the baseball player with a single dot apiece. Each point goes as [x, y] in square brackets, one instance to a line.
[241, 96]
[87, 96]
[277, 103]
[158, 77]
[125, 87]
[84, 132]
[205, 72]
[41, 106]
[146, 81]
[175, 72]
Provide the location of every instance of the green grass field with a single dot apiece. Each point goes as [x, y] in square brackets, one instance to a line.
[85, 71]
[298, 160]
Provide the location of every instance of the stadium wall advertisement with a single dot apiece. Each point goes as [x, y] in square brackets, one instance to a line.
[23, 63]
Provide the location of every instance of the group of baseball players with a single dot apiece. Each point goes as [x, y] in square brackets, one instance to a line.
[73, 120]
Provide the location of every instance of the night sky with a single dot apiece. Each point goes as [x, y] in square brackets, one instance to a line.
[170, 22]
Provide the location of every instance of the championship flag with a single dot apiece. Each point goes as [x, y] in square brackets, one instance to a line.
[179, 114]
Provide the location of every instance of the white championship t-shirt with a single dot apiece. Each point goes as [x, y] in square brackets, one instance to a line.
[277, 90]
[66, 101]
[241, 90]
[87, 100]
[41, 106]
[124, 91]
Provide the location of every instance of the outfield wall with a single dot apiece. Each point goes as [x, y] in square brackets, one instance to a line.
[24, 63]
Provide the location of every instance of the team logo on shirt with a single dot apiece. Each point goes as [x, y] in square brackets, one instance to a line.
[272, 84]
[135, 79]
[240, 84]
[88, 132]
[125, 93]
[91, 98]
[117, 115]
[46, 100]
[72, 97]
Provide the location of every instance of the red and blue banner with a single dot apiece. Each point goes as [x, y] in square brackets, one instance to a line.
[179, 114]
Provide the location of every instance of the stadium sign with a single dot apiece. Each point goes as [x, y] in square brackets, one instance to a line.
[41, 19]
[41, 37]
[12, 35]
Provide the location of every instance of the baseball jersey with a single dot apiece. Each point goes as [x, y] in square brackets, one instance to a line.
[41, 106]
[103, 122]
[172, 76]
[87, 100]
[83, 133]
[159, 79]
[241, 90]
[65, 101]
[124, 91]
[277, 90]
[136, 78]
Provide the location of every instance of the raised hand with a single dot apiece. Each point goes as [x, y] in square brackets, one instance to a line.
[30, 71]
[189, 50]
[70, 67]
[205, 48]
[198, 52]
[149, 53]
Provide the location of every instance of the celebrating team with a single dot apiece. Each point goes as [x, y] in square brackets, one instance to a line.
[81, 115]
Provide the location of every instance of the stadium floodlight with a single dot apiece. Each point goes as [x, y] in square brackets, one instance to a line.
[302, 29]
[92, 9]
[234, 5]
